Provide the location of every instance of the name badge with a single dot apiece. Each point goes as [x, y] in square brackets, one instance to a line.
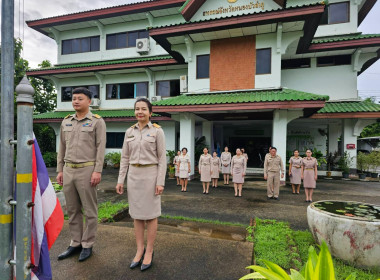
[69, 124]
[87, 125]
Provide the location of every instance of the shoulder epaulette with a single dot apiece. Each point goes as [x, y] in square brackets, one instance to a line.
[156, 125]
[68, 116]
[97, 116]
[133, 126]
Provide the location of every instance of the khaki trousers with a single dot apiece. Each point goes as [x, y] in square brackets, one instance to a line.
[81, 199]
[273, 184]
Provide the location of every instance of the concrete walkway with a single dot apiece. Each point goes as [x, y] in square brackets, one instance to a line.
[183, 254]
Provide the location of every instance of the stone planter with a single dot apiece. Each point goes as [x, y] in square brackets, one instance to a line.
[352, 239]
[374, 175]
[345, 175]
[62, 201]
[362, 176]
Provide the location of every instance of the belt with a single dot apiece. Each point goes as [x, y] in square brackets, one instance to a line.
[309, 168]
[142, 165]
[205, 164]
[80, 165]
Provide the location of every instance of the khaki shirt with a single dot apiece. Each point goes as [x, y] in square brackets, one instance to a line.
[273, 164]
[82, 141]
[146, 146]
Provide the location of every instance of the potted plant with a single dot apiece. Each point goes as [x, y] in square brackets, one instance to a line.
[330, 162]
[374, 163]
[361, 163]
[171, 171]
[344, 164]
[114, 158]
[171, 154]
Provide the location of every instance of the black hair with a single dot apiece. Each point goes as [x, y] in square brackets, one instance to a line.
[205, 148]
[295, 150]
[274, 148]
[146, 101]
[309, 150]
[82, 90]
[184, 149]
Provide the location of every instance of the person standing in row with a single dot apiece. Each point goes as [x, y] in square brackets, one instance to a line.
[175, 162]
[144, 159]
[238, 169]
[244, 154]
[226, 165]
[295, 164]
[184, 168]
[215, 167]
[309, 174]
[268, 153]
[79, 166]
[205, 170]
[272, 166]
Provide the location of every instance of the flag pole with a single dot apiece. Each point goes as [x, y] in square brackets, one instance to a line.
[24, 178]
[7, 134]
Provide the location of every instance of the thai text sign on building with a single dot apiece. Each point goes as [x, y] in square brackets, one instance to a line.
[235, 8]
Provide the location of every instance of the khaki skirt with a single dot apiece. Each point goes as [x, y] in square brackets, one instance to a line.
[141, 188]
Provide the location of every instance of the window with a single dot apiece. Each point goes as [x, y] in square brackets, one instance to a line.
[127, 91]
[125, 39]
[66, 92]
[295, 63]
[167, 88]
[336, 13]
[80, 45]
[203, 66]
[263, 61]
[333, 60]
[115, 140]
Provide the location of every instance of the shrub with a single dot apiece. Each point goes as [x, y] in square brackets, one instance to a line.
[113, 158]
[50, 159]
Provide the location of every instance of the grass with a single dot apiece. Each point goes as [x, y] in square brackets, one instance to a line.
[107, 210]
[275, 241]
[199, 220]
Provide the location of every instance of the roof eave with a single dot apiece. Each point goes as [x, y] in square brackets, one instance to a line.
[191, 8]
[342, 45]
[106, 119]
[347, 115]
[365, 9]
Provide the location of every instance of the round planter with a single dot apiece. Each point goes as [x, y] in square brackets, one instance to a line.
[368, 174]
[62, 201]
[374, 175]
[352, 239]
[328, 174]
[345, 175]
[362, 176]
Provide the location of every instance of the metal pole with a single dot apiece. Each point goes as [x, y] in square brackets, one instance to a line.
[24, 178]
[7, 134]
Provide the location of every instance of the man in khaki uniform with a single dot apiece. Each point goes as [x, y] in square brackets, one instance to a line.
[272, 167]
[79, 166]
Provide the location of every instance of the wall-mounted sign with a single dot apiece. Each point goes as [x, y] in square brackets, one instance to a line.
[232, 9]
[350, 146]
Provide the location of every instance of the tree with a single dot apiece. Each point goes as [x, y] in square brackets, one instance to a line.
[372, 129]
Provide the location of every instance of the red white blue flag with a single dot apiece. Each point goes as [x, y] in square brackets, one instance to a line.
[47, 217]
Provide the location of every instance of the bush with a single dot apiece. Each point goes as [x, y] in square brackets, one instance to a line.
[113, 158]
[50, 159]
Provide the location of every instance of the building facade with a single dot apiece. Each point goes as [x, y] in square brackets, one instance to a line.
[242, 73]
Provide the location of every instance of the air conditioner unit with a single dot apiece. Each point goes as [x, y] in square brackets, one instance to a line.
[142, 45]
[183, 83]
[95, 103]
[155, 98]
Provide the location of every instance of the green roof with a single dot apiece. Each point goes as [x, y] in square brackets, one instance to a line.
[241, 97]
[234, 16]
[184, 5]
[344, 38]
[349, 107]
[100, 63]
[103, 113]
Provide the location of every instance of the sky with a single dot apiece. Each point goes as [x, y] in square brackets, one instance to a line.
[38, 47]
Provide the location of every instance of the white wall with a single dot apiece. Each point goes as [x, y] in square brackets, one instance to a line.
[339, 82]
[197, 85]
[273, 79]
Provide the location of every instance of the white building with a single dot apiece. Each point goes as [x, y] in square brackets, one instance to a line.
[241, 73]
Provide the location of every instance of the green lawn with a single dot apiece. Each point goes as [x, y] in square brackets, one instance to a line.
[107, 210]
[278, 243]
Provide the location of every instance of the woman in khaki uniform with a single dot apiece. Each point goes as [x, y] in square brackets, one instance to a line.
[184, 168]
[295, 164]
[309, 174]
[175, 162]
[215, 167]
[204, 167]
[226, 165]
[238, 169]
[144, 159]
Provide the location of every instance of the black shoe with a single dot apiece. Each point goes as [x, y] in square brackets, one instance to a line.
[146, 266]
[269, 198]
[69, 252]
[136, 264]
[85, 254]
[276, 198]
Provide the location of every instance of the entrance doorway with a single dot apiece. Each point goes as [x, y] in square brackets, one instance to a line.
[255, 147]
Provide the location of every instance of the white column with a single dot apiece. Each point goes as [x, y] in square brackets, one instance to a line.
[170, 135]
[335, 131]
[281, 118]
[187, 134]
[207, 133]
[56, 127]
[350, 138]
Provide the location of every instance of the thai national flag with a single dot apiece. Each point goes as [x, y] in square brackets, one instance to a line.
[47, 217]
